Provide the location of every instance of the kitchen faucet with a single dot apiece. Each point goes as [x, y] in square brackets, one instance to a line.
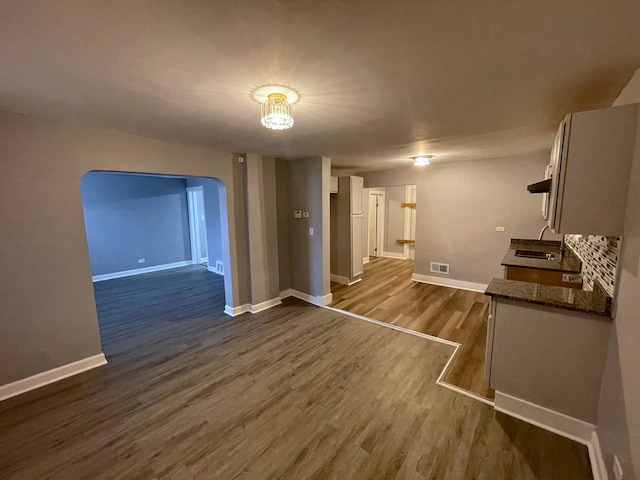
[544, 229]
[542, 232]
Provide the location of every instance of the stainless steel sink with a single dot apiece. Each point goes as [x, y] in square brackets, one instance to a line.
[535, 254]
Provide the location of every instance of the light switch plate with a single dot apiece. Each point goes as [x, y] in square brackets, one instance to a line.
[305, 214]
[500, 229]
[310, 230]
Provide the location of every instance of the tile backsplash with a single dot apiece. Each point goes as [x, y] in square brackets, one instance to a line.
[599, 257]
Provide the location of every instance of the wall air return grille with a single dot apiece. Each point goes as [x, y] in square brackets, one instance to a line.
[440, 268]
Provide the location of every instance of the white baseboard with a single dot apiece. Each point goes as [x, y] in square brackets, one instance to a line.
[139, 271]
[235, 311]
[400, 256]
[247, 307]
[344, 280]
[50, 376]
[214, 270]
[265, 305]
[555, 422]
[447, 282]
[318, 300]
[365, 260]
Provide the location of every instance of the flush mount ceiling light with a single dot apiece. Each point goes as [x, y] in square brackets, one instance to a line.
[276, 102]
[422, 160]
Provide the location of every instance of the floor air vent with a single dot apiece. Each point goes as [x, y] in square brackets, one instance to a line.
[440, 268]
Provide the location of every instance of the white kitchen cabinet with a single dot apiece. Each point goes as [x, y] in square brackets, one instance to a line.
[347, 229]
[333, 186]
[590, 167]
[356, 184]
[551, 357]
[357, 227]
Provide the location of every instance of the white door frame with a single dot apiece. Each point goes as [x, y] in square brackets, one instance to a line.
[194, 224]
[380, 222]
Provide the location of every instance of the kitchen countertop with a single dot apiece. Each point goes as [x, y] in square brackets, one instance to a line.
[562, 263]
[596, 302]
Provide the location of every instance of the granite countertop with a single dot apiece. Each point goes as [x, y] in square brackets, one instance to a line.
[596, 302]
[562, 263]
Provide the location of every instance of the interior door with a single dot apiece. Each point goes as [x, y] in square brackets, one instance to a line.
[357, 224]
[376, 223]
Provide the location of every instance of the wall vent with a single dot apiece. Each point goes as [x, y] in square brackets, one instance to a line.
[440, 268]
[219, 267]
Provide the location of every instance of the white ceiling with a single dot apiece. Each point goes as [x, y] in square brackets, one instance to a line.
[379, 81]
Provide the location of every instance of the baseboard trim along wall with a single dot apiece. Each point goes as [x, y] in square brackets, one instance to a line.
[265, 305]
[447, 282]
[556, 422]
[365, 260]
[248, 307]
[318, 300]
[235, 311]
[139, 271]
[344, 280]
[50, 376]
[214, 270]
[400, 256]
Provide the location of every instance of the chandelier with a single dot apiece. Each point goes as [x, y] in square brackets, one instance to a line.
[276, 106]
[276, 112]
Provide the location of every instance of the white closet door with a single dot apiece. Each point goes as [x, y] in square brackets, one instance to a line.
[357, 224]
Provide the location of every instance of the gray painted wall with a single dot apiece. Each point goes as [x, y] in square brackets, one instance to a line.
[128, 217]
[45, 280]
[263, 228]
[619, 407]
[394, 219]
[283, 216]
[214, 233]
[307, 184]
[459, 207]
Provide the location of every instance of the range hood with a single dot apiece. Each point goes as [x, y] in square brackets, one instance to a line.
[543, 186]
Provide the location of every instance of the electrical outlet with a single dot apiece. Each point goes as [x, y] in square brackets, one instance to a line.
[141, 260]
[617, 468]
[500, 229]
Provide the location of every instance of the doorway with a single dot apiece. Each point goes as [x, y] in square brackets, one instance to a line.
[376, 223]
[197, 226]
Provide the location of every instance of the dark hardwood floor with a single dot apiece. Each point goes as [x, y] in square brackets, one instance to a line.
[294, 392]
[388, 294]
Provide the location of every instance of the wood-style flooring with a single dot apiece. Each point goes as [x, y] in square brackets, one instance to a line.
[294, 392]
[388, 294]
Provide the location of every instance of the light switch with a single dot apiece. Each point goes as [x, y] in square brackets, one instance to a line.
[305, 214]
[310, 230]
[297, 214]
[500, 229]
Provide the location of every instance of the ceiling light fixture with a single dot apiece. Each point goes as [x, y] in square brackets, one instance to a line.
[276, 102]
[422, 160]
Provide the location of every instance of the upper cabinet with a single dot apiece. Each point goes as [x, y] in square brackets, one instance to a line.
[590, 167]
[356, 186]
[333, 188]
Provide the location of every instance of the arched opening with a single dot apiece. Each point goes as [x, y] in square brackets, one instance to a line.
[158, 247]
